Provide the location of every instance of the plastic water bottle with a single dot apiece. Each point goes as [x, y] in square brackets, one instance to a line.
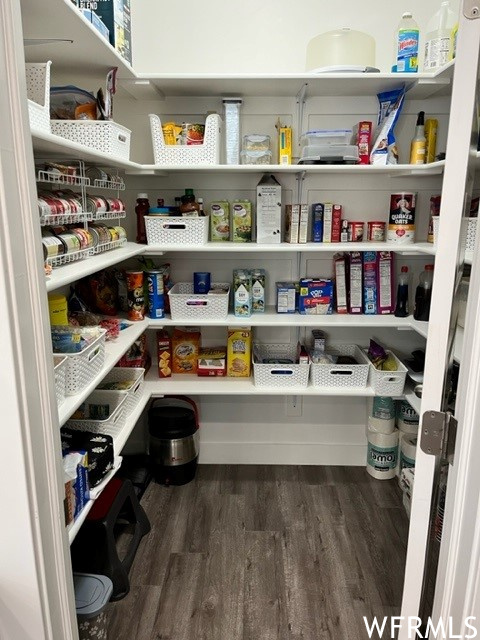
[423, 294]
[401, 307]
[438, 40]
[407, 36]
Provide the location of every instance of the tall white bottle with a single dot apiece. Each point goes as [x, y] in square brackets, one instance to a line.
[438, 42]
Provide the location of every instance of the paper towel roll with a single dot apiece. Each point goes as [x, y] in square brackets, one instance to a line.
[381, 426]
[408, 452]
[382, 454]
[407, 417]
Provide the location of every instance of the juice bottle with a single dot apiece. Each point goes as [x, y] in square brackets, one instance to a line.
[423, 294]
[141, 209]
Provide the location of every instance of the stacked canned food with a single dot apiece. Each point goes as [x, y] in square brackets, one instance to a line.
[62, 244]
[61, 207]
[105, 208]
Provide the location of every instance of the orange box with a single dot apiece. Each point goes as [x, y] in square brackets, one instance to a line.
[164, 353]
[185, 350]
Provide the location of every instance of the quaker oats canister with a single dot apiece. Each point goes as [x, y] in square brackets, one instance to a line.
[401, 220]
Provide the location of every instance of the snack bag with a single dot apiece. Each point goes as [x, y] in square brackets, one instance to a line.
[185, 350]
[384, 150]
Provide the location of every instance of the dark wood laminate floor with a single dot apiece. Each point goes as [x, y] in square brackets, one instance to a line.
[266, 553]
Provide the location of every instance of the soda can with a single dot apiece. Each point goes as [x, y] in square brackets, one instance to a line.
[156, 299]
[135, 295]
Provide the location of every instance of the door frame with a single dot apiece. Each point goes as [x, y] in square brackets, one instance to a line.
[37, 600]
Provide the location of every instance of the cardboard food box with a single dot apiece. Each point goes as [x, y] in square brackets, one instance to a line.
[341, 283]
[292, 222]
[317, 222]
[212, 361]
[242, 221]
[355, 282]
[370, 284]
[327, 221]
[116, 16]
[336, 222]
[286, 297]
[364, 141]
[285, 145]
[185, 349]
[98, 448]
[220, 221]
[315, 296]
[239, 352]
[385, 303]
[164, 354]
[269, 211]
[303, 227]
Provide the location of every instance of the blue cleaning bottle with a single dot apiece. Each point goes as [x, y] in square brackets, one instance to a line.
[407, 37]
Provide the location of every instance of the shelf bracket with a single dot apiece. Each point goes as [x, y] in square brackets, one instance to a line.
[300, 177]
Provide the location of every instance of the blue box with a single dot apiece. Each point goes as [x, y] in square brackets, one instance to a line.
[370, 284]
[315, 296]
[317, 222]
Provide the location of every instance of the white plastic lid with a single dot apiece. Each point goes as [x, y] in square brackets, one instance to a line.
[92, 593]
[329, 132]
[142, 196]
[407, 14]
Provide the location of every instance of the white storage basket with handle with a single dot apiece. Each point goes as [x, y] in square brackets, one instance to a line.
[186, 305]
[342, 375]
[278, 375]
[38, 93]
[182, 154]
[131, 381]
[388, 383]
[108, 411]
[105, 136]
[471, 232]
[60, 374]
[177, 230]
[83, 366]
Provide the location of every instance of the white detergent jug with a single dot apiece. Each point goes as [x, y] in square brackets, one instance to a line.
[438, 41]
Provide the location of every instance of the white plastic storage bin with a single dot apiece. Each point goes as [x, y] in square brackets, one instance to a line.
[471, 232]
[342, 375]
[132, 382]
[388, 383]
[60, 373]
[83, 366]
[186, 305]
[278, 375]
[38, 93]
[102, 135]
[113, 403]
[196, 154]
[175, 230]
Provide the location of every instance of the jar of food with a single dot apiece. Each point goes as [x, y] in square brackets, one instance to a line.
[189, 206]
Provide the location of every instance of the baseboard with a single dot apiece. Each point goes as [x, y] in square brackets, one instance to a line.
[305, 453]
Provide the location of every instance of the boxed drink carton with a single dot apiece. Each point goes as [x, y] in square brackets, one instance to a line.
[341, 282]
[239, 352]
[286, 297]
[269, 211]
[258, 290]
[385, 302]
[355, 282]
[315, 296]
[242, 293]
[303, 228]
[317, 222]
[370, 284]
[292, 221]
[220, 221]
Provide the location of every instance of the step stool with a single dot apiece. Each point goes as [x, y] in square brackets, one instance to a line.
[94, 550]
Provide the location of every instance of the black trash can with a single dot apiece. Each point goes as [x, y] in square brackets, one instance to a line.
[173, 440]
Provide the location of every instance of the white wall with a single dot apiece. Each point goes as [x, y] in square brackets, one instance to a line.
[251, 36]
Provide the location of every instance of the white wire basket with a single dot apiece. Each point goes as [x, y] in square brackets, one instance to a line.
[342, 375]
[181, 154]
[84, 366]
[110, 403]
[38, 93]
[109, 184]
[108, 246]
[134, 382]
[105, 136]
[60, 373]
[52, 177]
[388, 383]
[66, 218]
[471, 232]
[177, 230]
[278, 375]
[71, 256]
[187, 305]
[109, 215]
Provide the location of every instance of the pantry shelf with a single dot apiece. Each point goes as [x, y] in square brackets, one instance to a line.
[285, 247]
[272, 319]
[76, 270]
[61, 20]
[410, 396]
[114, 350]
[422, 86]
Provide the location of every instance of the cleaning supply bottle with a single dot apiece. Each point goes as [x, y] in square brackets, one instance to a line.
[423, 294]
[141, 209]
[419, 141]
[406, 38]
[401, 307]
[438, 40]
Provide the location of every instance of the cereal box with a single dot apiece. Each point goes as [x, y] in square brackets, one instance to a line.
[185, 349]
[303, 225]
[164, 351]
[239, 352]
[212, 361]
[355, 282]
[292, 221]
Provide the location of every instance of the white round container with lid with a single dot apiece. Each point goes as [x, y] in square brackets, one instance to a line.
[332, 50]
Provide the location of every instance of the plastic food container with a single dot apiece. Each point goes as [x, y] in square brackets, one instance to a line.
[256, 157]
[329, 153]
[256, 142]
[327, 136]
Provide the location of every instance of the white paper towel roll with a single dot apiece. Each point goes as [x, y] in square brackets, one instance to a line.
[407, 417]
[381, 426]
[408, 452]
[382, 454]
